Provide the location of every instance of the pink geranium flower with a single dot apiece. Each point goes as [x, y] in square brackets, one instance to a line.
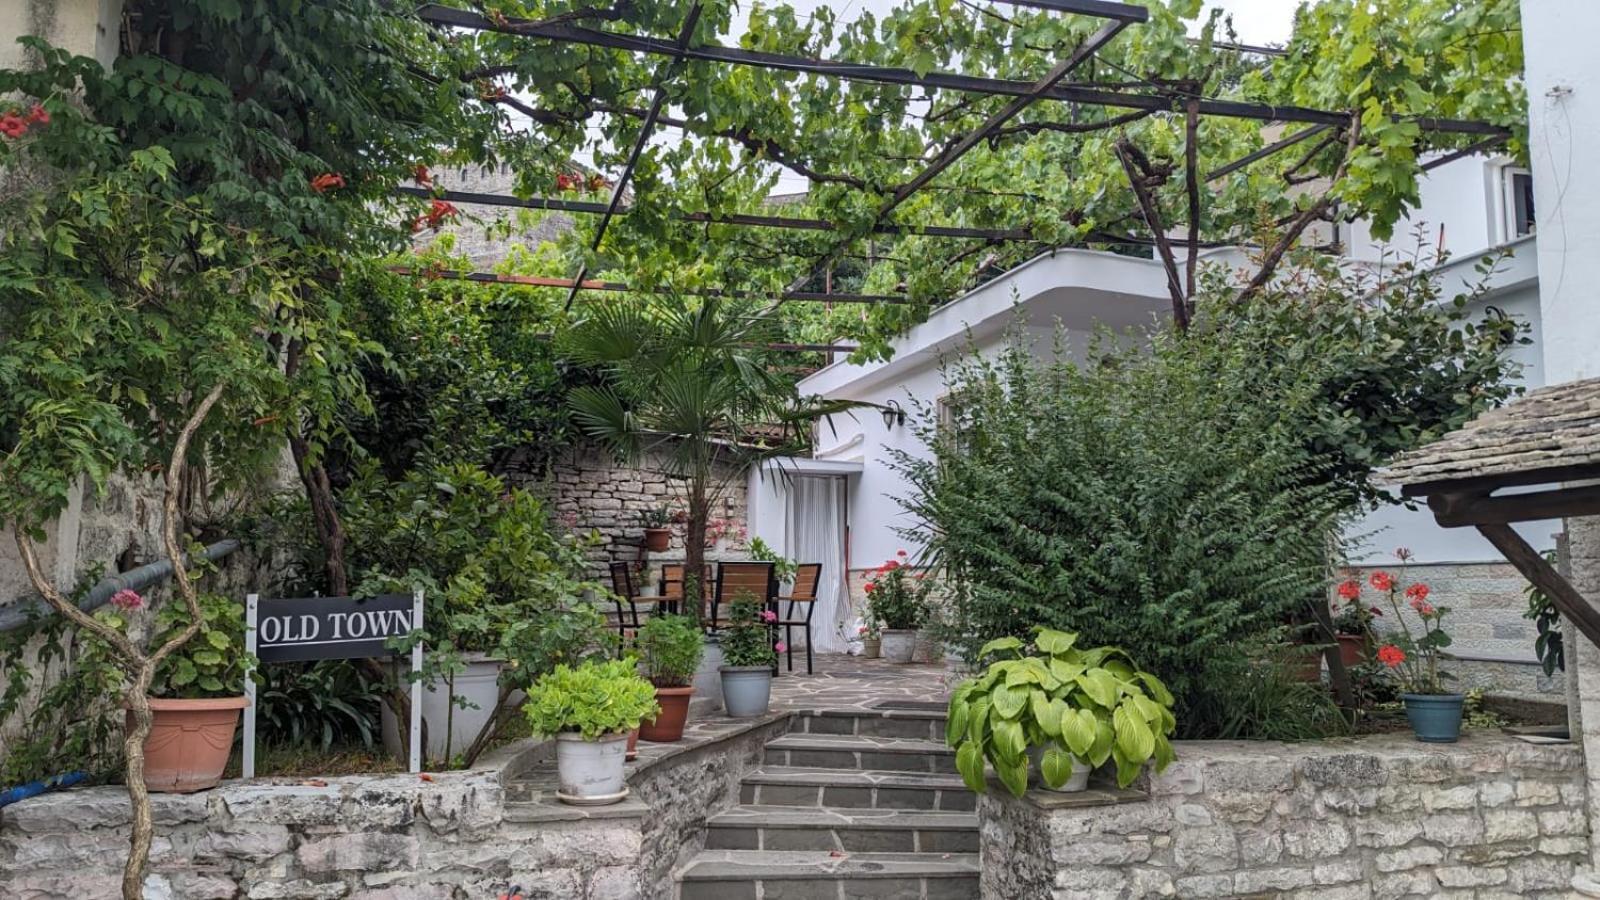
[127, 600]
[780, 646]
[768, 615]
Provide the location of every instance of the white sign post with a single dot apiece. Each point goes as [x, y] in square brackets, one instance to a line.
[296, 630]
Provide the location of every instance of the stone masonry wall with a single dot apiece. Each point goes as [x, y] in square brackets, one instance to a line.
[593, 491]
[1493, 642]
[1376, 817]
[450, 836]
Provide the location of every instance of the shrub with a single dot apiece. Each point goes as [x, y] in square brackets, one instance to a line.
[1084, 705]
[747, 638]
[669, 649]
[897, 598]
[593, 699]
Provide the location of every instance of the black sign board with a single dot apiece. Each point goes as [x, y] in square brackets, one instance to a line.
[291, 630]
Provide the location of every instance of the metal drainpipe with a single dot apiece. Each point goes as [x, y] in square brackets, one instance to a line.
[21, 613]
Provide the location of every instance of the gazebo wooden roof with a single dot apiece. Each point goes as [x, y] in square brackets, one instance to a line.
[1549, 437]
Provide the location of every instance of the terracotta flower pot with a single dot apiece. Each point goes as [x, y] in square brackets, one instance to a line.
[1350, 649]
[667, 726]
[189, 743]
[657, 540]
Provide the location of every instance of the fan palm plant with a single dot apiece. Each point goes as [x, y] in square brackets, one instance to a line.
[689, 382]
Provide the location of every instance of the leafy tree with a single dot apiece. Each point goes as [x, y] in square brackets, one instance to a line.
[689, 382]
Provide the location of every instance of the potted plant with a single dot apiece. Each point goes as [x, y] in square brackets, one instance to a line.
[1352, 623]
[871, 638]
[656, 522]
[669, 649]
[749, 656]
[1413, 657]
[1065, 710]
[589, 710]
[896, 599]
[783, 568]
[196, 693]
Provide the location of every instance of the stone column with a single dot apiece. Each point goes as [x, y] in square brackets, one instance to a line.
[1583, 666]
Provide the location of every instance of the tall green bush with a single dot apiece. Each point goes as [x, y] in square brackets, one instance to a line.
[1179, 497]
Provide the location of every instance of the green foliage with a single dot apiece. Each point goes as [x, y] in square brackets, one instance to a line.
[569, 635]
[783, 568]
[897, 598]
[1083, 706]
[1147, 500]
[213, 664]
[324, 704]
[593, 699]
[1260, 693]
[669, 649]
[747, 638]
[1548, 646]
[1413, 653]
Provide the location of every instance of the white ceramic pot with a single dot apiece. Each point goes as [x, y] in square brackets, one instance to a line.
[590, 773]
[1078, 781]
[898, 644]
[746, 690]
[707, 683]
[478, 685]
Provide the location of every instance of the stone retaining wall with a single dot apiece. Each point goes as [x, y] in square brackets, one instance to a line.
[450, 836]
[1377, 817]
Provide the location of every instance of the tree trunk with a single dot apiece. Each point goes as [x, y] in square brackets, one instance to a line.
[137, 696]
[694, 549]
[324, 513]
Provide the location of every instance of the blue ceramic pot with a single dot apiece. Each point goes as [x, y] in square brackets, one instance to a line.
[1436, 718]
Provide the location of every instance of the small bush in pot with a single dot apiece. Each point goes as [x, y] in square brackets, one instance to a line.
[1069, 710]
[897, 601]
[669, 649]
[657, 524]
[590, 709]
[1413, 656]
[749, 656]
[196, 693]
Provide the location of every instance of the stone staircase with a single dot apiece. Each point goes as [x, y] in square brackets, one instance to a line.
[850, 804]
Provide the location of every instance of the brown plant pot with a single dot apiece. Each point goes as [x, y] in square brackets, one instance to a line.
[667, 726]
[871, 648]
[189, 743]
[657, 540]
[633, 746]
[1351, 647]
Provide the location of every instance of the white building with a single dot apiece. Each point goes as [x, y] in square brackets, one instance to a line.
[841, 506]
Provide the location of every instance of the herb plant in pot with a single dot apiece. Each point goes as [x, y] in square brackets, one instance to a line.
[197, 691]
[657, 522]
[1413, 654]
[589, 709]
[749, 656]
[669, 649]
[1065, 710]
[896, 599]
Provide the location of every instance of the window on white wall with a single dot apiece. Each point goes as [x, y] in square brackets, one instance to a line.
[954, 421]
[1517, 185]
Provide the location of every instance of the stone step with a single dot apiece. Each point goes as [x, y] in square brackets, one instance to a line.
[865, 752]
[822, 875]
[845, 789]
[918, 724]
[849, 830]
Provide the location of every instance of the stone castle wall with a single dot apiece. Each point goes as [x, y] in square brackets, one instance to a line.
[1376, 817]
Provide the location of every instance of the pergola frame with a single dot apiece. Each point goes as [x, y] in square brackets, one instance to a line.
[1023, 94]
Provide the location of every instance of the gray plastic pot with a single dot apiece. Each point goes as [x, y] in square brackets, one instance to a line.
[899, 644]
[746, 690]
[590, 773]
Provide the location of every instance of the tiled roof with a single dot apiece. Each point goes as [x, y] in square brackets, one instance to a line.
[1555, 427]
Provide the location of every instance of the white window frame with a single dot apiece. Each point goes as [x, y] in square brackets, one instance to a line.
[1508, 203]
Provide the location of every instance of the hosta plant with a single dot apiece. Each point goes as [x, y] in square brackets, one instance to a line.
[1089, 705]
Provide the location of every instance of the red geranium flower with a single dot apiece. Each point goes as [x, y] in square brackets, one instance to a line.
[1382, 581]
[1350, 589]
[1417, 592]
[870, 587]
[1423, 609]
[39, 114]
[420, 176]
[13, 126]
[1391, 656]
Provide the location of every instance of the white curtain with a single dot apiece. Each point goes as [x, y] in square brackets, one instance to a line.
[815, 534]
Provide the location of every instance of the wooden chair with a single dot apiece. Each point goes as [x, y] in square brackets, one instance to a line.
[734, 580]
[806, 579]
[622, 588]
[672, 586]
